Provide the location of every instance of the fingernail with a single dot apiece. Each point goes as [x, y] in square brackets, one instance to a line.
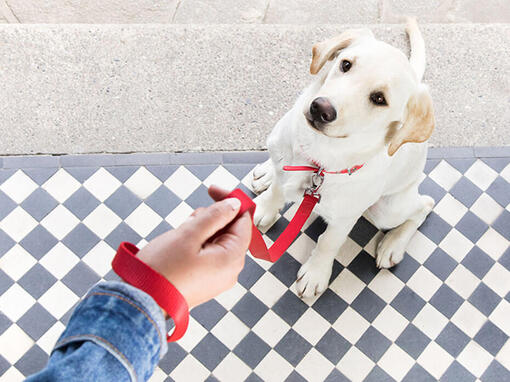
[234, 203]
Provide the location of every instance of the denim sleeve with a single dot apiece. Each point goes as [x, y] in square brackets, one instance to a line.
[116, 333]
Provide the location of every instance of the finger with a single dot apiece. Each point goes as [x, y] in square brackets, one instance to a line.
[211, 219]
[235, 240]
[217, 193]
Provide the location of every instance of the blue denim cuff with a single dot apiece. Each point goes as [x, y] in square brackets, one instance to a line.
[125, 321]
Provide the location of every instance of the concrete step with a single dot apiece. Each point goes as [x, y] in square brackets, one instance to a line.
[126, 88]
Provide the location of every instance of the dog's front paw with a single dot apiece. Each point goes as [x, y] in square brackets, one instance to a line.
[313, 277]
[390, 250]
[262, 177]
[265, 213]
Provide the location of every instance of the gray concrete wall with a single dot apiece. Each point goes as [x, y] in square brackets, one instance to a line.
[84, 88]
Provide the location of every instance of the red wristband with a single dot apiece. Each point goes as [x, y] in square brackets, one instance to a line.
[138, 274]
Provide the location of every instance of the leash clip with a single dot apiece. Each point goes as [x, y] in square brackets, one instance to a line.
[317, 180]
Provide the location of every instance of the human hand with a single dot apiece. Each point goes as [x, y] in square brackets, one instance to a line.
[197, 261]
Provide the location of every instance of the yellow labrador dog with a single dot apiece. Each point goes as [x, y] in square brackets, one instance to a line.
[367, 106]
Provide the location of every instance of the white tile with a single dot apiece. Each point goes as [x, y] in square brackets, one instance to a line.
[420, 247]
[435, 360]
[314, 366]
[189, 369]
[230, 330]
[15, 302]
[396, 362]
[430, 321]
[60, 222]
[390, 323]
[450, 209]
[456, 245]
[221, 177]
[193, 335]
[506, 173]
[182, 182]
[348, 251]
[18, 187]
[99, 258]
[268, 289]
[351, 325]
[158, 375]
[58, 299]
[501, 316]
[462, 281]
[49, 339]
[481, 174]
[273, 367]
[143, 183]
[14, 343]
[355, 365]
[271, 328]
[231, 368]
[102, 184]
[445, 175]
[102, 221]
[468, 319]
[504, 355]
[301, 248]
[61, 185]
[424, 283]
[371, 247]
[498, 279]
[18, 224]
[59, 260]
[311, 326]
[486, 208]
[143, 220]
[493, 244]
[16, 262]
[179, 214]
[475, 359]
[347, 285]
[386, 285]
[231, 297]
[12, 375]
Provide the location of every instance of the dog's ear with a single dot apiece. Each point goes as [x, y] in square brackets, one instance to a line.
[419, 121]
[326, 50]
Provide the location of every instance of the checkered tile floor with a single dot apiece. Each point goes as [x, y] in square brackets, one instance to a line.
[443, 313]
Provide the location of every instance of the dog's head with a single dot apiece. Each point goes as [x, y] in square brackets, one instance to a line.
[368, 88]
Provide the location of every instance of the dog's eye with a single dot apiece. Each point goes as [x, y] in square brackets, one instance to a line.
[378, 99]
[345, 65]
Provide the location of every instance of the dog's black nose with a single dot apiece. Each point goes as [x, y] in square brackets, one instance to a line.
[321, 110]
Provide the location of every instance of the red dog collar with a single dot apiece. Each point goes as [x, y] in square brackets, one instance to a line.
[138, 274]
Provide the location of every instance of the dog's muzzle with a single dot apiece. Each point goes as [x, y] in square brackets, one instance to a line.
[321, 112]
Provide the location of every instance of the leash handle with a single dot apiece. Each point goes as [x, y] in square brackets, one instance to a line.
[138, 274]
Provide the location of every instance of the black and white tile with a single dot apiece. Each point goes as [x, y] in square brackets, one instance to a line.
[443, 313]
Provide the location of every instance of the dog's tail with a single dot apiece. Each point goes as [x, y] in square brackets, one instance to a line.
[417, 58]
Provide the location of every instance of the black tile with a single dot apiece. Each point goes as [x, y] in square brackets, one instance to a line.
[123, 202]
[277, 228]
[452, 339]
[159, 230]
[497, 164]
[500, 191]
[478, 262]
[496, 373]
[40, 174]
[250, 273]
[162, 172]
[406, 268]
[81, 240]
[251, 350]
[373, 344]
[208, 314]
[430, 164]
[112, 276]
[163, 201]
[465, 192]
[446, 300]
[435, 228]
[5, 282]
[336, 376]
[431, 188]
[6, 243]
[80, 278]
[330, 306]
[199, 198]
[440, 264]
[368, 304]
[4, 365]
[122, 173]
[202, 171]
[36, 321]
[364, 267]
[81, 174]
[408, 303]
[39, 204]
[413, 341]
[67, 316]
[210, 351]
[316, 229]
[293, 347]
[211, 378]
[238, 170]
[456, 373]
[37, 281]
[504, 260]
[251, 157]
[461, 164]
[378, 375]
[363, 231]
[5, 323]
[484, 299]
[32, 361]
[81, 203]
[6, 205]
[418, 374]
[502, 224]
[491, 338]
[121, 233]
[249, 309]
[295, 377]
[289, 307]
[38, 242]
[285, 269]
[253, 378]
[333, 346]
[472, 226]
